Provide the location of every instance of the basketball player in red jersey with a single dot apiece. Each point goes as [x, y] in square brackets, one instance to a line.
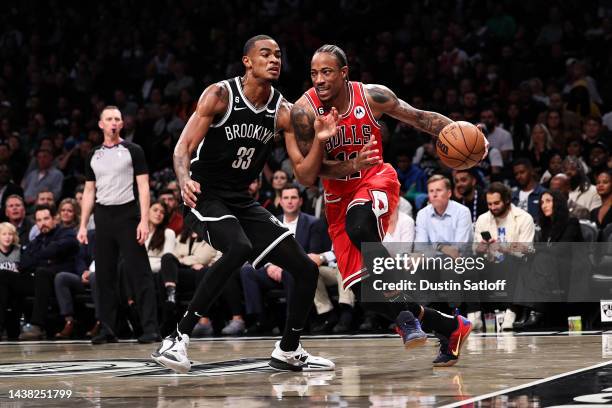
[337, 118]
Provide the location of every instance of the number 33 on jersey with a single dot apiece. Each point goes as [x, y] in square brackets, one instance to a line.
[237, 144]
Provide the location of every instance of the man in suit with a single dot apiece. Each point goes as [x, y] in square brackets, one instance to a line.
[309, 234]
[53, 251]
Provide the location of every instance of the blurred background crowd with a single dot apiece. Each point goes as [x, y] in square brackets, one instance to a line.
[535, 73]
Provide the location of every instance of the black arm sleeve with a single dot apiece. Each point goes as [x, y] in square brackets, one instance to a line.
[138, 159]
[89, 173]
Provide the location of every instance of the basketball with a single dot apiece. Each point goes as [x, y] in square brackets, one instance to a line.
[460, 145]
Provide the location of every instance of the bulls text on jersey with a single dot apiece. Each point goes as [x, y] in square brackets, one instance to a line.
[353, 137]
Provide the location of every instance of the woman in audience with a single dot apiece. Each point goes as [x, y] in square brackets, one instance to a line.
[557, 131]
[602, 216]
[69, 213]
[185, 268]
[540, 148]
[9, 270]
[552, 263]
[161, 239]
[279, 179]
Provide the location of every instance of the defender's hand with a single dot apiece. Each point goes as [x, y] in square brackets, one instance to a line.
[188, 191]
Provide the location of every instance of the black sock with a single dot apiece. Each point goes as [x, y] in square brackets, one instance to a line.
[187, 323]
[302, 286]
[291, 338]
[438, 322]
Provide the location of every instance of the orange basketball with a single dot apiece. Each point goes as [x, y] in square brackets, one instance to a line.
[460, 145]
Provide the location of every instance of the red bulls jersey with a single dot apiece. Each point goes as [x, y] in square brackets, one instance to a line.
[356, 127]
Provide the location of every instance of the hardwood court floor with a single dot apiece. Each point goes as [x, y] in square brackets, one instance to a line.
[371, 371]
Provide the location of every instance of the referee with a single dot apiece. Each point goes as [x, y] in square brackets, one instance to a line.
[117, 181]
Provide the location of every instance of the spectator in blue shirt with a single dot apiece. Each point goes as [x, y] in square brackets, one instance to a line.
[46, 176]
[443, 221]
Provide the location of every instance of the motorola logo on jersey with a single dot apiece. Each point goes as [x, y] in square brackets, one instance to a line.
[248, 131]
[359, 112]
[357, 135]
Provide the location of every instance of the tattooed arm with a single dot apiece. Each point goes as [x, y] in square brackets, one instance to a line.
[213, 101]
[383, 100]
[305, 152]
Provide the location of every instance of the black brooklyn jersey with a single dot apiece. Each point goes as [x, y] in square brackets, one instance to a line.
[236, 147]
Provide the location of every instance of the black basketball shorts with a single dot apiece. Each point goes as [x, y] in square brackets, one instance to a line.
[263, 229]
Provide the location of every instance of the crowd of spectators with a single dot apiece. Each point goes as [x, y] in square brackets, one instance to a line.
[533, 72]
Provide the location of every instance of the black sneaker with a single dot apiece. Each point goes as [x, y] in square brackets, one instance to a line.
[324, 323]
[345, 322]
[149, 338]
[104, 337]
[370, 324]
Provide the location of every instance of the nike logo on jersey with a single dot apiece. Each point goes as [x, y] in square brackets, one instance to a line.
[381, 172]
[237, 108]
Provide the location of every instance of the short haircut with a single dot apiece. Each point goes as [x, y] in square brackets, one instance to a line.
[16, 197]
[336, 51]
[503, 190]
[43, 207]
[439, 177]
[7, 226]
[523, 161]
[593, 118]
[291, 186]
[45, 190]
[471, 171]
[108, 107]
[166, 191]
[250, 43]
[487, 109]
[44, 150]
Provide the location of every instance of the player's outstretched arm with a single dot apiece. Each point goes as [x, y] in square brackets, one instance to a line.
[213, 101]
[383, 100]
[306, 153]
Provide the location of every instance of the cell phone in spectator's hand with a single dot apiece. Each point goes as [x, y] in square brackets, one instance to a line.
[486, 235]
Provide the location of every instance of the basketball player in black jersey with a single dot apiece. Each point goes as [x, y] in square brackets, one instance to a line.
[232, 133]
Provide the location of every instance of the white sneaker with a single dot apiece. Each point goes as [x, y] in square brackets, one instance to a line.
[476, 319]
[172, 353]
[509, 318]
[298, 360]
